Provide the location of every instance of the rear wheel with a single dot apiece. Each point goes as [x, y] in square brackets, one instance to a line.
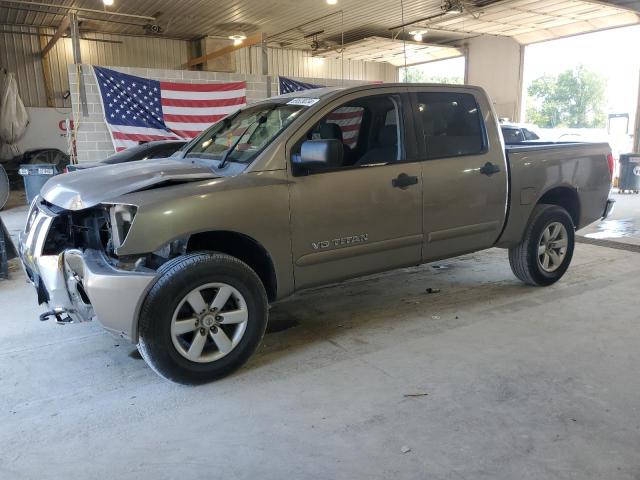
[203, 318]
[544, 254]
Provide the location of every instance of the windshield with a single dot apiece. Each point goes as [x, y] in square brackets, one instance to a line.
[245, 133]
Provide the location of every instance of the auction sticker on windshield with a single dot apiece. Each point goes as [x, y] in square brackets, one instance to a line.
[303, 101]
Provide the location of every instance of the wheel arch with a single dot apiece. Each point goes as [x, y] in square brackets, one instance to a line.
[242, 247]
[565, 197]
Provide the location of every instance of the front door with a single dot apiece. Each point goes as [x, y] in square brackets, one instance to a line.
[363, 216]
[464, 172]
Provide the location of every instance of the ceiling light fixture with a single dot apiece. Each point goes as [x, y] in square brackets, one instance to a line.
[332, 2]
[108, 3]
[238, 39]
[418, 34]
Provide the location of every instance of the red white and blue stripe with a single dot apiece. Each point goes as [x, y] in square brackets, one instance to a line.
[138, 109]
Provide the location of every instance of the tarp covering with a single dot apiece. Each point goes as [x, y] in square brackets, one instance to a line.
[13, 116]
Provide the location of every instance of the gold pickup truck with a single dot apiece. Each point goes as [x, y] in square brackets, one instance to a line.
[183, 256]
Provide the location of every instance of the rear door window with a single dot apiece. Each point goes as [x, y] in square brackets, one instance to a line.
[451, 124]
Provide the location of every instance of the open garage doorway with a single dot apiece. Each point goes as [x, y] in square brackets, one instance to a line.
[584, 88]
[451, 71]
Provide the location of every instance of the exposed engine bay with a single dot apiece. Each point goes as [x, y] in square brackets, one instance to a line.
[103, 228]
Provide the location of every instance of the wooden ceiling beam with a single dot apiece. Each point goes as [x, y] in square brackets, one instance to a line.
[62, 29]
[256, 39]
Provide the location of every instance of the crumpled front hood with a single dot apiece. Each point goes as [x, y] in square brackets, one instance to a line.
[86, 188]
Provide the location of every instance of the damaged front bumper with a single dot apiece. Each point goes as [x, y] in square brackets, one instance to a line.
[81, 284]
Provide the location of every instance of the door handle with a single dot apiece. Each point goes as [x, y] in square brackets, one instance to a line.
[403, 181]
[489, 169]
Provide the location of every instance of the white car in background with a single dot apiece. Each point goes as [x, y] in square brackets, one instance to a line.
[515, 133]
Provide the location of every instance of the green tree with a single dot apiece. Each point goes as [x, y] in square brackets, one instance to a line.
[574, 98]
[416, 75]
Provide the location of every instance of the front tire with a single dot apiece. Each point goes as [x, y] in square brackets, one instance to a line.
[203, 318]
[545, 253]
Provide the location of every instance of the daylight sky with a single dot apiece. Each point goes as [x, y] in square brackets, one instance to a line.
[613, 53]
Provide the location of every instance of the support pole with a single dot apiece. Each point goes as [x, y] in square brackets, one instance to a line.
[77, 60]
[636, 133]
[265, 64]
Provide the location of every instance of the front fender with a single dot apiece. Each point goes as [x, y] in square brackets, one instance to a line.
[255, 205]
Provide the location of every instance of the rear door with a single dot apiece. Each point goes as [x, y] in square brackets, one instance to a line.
[366, 215]
[463, 169]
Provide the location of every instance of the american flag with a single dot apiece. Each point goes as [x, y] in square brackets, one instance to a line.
[288, 85]
[138, 109]
[348, 119]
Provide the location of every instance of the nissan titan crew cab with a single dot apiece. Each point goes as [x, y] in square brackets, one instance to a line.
[183, 256]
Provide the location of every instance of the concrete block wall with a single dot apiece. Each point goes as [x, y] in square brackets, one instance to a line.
[93, 142]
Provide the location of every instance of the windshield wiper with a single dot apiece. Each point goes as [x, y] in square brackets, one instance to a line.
[258, 121]
[226, 121]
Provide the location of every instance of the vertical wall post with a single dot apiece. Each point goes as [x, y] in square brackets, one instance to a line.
[265, 64]
[77, 60]
[636, 132]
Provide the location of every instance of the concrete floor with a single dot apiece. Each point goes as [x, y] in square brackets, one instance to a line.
[512, 382]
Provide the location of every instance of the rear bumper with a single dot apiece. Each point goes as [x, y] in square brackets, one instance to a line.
[608, 208]
[82, 284]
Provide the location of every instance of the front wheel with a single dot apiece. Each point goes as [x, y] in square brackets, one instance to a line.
[203, 318]
[544, 254]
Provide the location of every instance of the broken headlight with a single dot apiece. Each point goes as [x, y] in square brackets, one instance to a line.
[121, 217]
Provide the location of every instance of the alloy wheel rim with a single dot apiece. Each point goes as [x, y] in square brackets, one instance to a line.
[552, 247]
[209, 322]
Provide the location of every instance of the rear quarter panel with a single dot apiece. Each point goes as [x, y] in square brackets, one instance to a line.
[537, 169]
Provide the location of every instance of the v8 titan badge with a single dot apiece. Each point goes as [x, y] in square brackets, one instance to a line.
[636, 171]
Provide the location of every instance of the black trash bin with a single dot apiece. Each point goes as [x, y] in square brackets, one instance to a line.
[629, 172]
[35, 176]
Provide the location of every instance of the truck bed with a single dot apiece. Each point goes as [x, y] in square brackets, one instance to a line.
[577, 170]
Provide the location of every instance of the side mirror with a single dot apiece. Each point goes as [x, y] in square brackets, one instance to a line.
[320, 154]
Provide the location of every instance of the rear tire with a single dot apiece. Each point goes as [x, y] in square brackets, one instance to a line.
[203, 318]
[546, 250]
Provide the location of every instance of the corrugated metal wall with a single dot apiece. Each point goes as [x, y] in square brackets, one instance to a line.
[20, 54]
[299, 63]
